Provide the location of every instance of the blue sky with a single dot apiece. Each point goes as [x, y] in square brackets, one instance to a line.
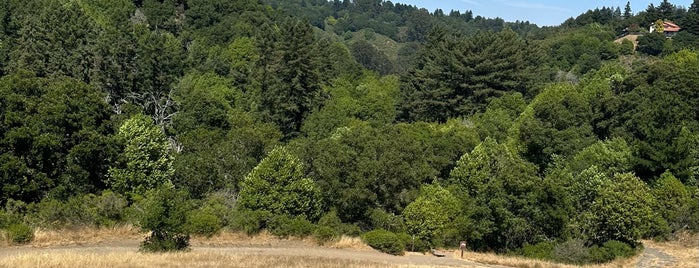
[541, 12]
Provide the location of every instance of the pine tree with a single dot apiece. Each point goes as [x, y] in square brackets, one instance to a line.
[291, 86]
[627, 10]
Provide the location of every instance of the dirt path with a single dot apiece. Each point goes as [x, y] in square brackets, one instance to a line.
[292, 249]
[654, 258]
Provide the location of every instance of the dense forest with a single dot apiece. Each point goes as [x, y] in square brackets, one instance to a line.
[415, 129]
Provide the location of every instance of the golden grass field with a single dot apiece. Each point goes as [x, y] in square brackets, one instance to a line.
[118, 247]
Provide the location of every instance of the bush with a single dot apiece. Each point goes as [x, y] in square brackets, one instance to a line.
[382, 220]
[412, 243]
[20, 233]
[384, 241]
[323, 234]
[203, 223]
[610, 250]
[165, 241]
[283, 226]
[542, 250]
[250, 221]
[165, 215]
[572, 251]
[331, 220]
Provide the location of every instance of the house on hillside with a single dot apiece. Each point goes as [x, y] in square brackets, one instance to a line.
[669, 28]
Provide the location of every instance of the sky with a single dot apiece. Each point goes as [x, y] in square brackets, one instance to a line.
[541, 12]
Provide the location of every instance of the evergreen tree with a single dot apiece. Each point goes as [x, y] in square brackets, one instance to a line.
[291, 86]
[627, 10]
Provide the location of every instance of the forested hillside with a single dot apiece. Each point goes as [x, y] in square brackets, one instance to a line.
[413, 128]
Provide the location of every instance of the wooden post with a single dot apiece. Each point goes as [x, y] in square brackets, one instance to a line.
[462, 246]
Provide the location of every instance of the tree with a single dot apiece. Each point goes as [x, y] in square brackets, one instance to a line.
[455, 76]
[657, 116]
[370, 57]
[146, 162]
[291, 85]
[556, 122]
[694, 8]
[278, 186]
[610, 156]
[432, 215]
[627, 10]
[673, 200]
[622, 211]
[55, 138]
[165, 217]
[499, 189]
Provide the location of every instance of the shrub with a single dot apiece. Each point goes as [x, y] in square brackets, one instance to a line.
[381, 219]
[572, 251]
[323, 234]
[250, 221]
[412, 243]
[541, 250]
[165, 215]
[20, 233]
[283, 226]
[331, 220]
[203, 223]
[610, 250]
[165, 241]
[384, 241]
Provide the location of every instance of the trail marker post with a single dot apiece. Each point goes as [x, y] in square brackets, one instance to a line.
[462, 246]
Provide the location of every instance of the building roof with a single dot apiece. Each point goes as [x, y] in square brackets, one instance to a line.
[668, 26]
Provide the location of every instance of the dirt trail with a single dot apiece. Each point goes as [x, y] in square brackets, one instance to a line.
[283, 249]
[654, 258]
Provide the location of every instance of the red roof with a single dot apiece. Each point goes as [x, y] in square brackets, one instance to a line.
[668, 26]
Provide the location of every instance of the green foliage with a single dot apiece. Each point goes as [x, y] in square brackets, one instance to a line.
[54, 138]
[106, 209]
[556, 122]
[380, 219]
[455, 76]
[541, 250]
[146, 163]
[572, 251]
[203, 223]
[324, 234]
[369, 98]
[332, 220]
[673, 200]
[250, 222]
[283, 226]
[611, 250]
[499, 188]
[499, 116]
[627, 47]
[432, 214]
[657, 117]
[20, 233]
[652, 44]
[278, 186]
[165, 216]
[384, 241]
[623, 211]
[610, 156]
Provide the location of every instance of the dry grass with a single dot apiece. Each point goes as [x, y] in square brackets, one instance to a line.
[512, 261]
[57, 249]
[684, 248]
[82, 236]
[183, 259]
[348, 242]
